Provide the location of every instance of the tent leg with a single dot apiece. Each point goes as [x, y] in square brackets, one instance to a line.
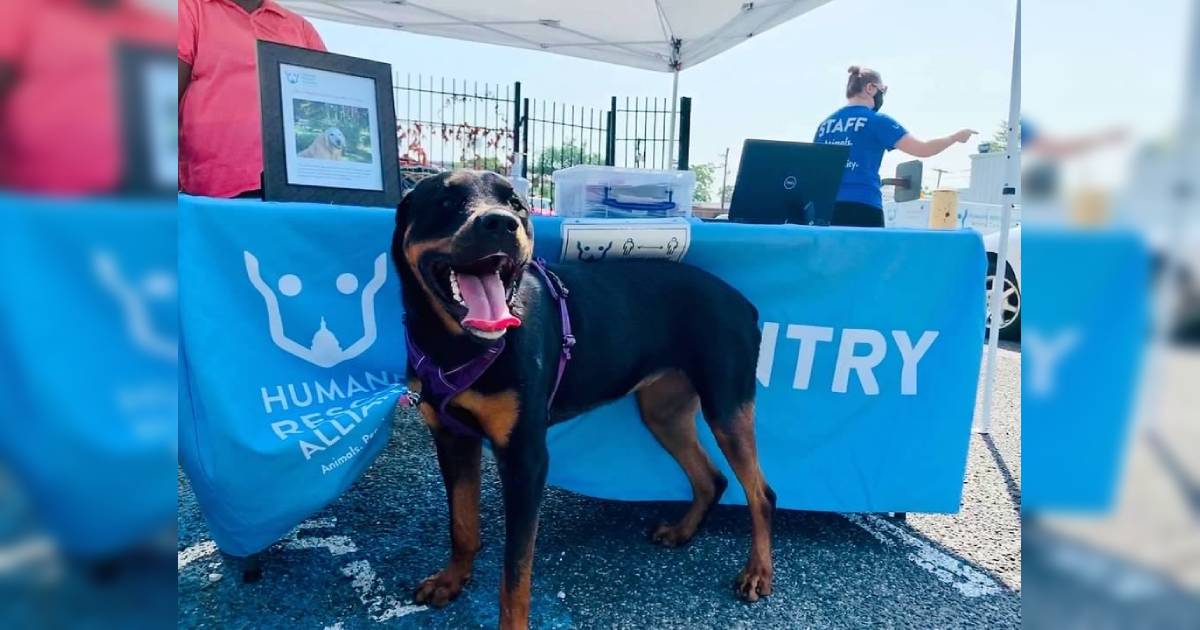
[671, 150]
[1012, 176]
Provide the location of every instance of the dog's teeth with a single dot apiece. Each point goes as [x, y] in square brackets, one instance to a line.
[454, 291]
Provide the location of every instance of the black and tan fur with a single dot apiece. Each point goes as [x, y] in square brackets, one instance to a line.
[681, 339]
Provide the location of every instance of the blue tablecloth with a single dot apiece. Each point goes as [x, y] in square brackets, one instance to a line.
[292, 350]
[88, 324]
[1087, 324]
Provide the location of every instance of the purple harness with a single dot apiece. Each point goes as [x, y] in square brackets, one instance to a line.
[441, 386]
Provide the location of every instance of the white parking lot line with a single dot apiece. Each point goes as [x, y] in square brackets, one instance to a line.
[381, 607]
[966, 579]
[197, 551]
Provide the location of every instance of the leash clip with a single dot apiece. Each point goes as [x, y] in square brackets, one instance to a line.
[568, 343]
[410, 399]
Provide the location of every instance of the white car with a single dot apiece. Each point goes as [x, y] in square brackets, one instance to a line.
[1010, 301]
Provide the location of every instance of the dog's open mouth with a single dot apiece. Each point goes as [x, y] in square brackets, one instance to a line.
[479, 293]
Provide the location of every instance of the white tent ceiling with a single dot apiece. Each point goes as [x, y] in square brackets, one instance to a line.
[636, 33]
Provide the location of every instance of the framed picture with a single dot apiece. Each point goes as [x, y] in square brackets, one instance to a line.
[328, 128]
[148, 88]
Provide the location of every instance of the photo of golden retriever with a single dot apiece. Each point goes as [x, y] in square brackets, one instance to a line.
[328, 145]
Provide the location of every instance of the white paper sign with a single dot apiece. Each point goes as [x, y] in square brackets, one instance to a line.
[594, 240]
[330, 129]
[161, 102]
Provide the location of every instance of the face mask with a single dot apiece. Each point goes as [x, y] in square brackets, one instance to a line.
[878, 99]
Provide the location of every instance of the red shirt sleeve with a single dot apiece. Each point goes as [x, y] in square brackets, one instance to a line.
[187, 31]
[312, 39]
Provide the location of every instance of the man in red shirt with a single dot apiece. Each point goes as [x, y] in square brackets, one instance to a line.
[220, 135]
[60, 120]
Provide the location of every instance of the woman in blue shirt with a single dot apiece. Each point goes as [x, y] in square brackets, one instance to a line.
[868, 133]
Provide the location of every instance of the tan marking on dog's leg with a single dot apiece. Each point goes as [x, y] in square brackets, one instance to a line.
[736, 439]
[459, 460]
[514, 600]
[668, 404]
[647, 381]
[496, 413]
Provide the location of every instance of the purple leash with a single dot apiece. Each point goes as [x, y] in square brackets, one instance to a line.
[559, 292]
[441, 386]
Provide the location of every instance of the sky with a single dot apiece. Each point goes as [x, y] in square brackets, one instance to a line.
[947, 64]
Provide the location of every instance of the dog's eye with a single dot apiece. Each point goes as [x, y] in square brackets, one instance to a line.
[518, 206]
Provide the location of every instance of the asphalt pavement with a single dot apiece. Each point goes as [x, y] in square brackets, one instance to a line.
[356, 563]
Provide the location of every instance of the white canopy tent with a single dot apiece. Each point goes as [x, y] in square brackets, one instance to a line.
[662, 35]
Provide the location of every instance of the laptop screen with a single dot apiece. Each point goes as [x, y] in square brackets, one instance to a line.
[787, 182]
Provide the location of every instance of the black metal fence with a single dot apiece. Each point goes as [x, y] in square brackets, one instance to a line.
[444, 124]
[555, 136]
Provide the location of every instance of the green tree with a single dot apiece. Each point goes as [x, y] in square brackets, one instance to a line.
[726, 194]
[493, 164]
[570, 153]
[1000, 136]
[567, 154]
[704, 182]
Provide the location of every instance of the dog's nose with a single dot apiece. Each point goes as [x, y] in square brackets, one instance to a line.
[498, 222]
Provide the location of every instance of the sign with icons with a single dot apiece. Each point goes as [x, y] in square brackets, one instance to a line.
[595, 240]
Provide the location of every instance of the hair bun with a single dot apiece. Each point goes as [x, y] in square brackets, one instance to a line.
[854, 70]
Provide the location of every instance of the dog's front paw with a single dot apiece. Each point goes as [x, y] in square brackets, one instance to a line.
[753, 582]
[441, 588]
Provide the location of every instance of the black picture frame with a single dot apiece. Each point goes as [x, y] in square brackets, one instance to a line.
[276, 186]
[144, 149]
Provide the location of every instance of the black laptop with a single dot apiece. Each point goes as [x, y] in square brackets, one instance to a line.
[787, 182]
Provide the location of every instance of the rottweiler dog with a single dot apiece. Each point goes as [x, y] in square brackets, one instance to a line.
[678, 337]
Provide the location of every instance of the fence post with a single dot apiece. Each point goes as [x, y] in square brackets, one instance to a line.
[524, 118]
[610, 135]
[685, 131]
[517, 121]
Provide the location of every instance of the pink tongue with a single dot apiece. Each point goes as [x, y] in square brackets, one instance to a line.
[487, 308]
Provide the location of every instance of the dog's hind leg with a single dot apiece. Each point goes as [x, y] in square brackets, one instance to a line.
[668, 405]
[734, 431]
[724, 376]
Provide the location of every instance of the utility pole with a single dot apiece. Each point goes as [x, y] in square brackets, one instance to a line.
[939, 171]
[724, 177]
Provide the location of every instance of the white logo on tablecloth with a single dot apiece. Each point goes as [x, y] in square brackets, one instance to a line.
[324, 350]
[134, 299]
[789, 182]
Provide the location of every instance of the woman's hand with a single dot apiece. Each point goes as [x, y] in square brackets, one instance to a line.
[963, 135]
[916, 147]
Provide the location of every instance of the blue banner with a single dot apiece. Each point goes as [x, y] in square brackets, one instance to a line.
[88, 326]
[293, 348]
[1086, 326]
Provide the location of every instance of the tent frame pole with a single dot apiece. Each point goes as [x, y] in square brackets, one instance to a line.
[1011, 196]
[671, 150]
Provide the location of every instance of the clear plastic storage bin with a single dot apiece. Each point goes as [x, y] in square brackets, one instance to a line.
[608, 192]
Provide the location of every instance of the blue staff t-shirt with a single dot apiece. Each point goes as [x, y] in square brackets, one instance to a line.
[1029, 132]
[868, 134]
